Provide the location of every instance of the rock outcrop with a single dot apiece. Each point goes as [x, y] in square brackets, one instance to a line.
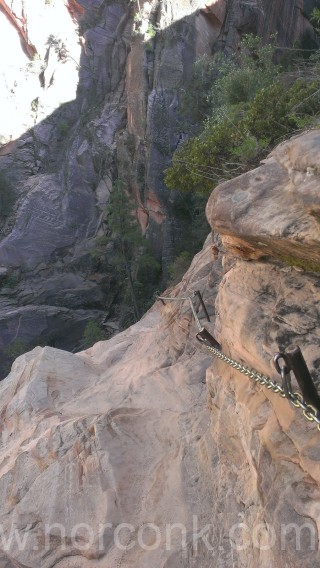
[201, 465]
[93, 95]
[268, 299]
[250, 211]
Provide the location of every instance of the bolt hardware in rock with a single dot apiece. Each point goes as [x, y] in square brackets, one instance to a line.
[308, 401]
[296, 363]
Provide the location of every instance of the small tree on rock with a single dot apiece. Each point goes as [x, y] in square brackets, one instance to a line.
[126, 237]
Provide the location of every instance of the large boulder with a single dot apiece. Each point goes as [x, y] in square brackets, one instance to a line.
[274, 210]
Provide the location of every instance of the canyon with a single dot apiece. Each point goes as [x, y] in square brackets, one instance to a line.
[91, 94]
[145, 450]
[147, 435]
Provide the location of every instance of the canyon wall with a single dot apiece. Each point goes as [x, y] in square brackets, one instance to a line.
[90, 93]
[145, 450]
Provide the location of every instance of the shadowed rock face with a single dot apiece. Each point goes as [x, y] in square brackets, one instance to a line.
[148, 428]
[94, 103]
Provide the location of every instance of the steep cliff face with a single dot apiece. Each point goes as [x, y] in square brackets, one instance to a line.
[92, 95]
[263, 305]
[144, 450]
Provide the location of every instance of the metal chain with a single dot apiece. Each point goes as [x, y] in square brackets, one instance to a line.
[309, 411]
[296, 399]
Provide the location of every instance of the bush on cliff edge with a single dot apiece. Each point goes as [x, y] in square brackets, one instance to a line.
[253, 107]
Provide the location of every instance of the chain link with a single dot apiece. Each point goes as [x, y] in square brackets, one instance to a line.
[309, 411]
[250, 373]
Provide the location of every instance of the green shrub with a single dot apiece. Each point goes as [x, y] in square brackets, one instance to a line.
[315, 16]
[179, 267]
[249, 148]
[16, 349]
[226, 145]
[7, 196]
[99, 249]
[227, 148]
[267, 117]
[304, 98]
[151, 31]
[149, 270]
[206, 160]
[243, 75]
[63, 128]
[229, 80]
[92, 334]
[195, 102]
[9, 281]
[11, 352]
[278, 111]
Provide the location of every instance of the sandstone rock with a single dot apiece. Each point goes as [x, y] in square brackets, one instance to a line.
[263, 308]
[32, 324]
[57, 428]
[123, 433]
[46, 223]
[274, 209]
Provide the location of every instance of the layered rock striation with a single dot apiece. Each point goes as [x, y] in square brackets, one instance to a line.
[203, 466]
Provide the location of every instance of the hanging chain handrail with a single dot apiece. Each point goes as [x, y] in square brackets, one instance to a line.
[310, 412]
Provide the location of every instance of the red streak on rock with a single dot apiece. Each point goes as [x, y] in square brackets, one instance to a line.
[214, 13]
[143, 219]
[74, 9]
[8, 148]
[20, 25]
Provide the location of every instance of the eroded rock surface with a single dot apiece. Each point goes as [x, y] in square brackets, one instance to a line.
[93, 95]
[128, 431]
[108, 436]
[274, 210]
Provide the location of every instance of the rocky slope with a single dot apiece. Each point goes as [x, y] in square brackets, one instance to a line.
[147, 429]
[91, 94]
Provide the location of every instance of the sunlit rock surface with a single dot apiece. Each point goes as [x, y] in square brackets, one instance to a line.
[90, 93]
[40, 55]
[148, 429]
[274, 209]
[117, 434]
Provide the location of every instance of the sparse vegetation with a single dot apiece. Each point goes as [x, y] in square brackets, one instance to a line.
[179, 266]
[126, 239]
[63, 128]
[151, 31]
[10, 281]
[59, 47]
[7, 197]
[315, 18]
[11, 352]
[92, 334]
[123, 253]
[250, 107]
